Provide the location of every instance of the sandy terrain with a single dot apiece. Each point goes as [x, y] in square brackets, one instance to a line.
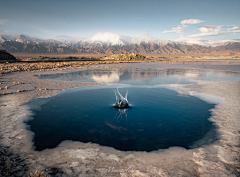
[18, 158]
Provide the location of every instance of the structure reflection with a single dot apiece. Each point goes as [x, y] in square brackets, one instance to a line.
[121, 115]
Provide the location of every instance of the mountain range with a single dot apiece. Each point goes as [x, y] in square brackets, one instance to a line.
[112, 43]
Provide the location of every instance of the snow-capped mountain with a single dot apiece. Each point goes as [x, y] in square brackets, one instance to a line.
[18, 38]
[2, 39]
[205, 42]
[108, 39]
[26, 39]
[98, 40]
[69, 41]
[113, 43]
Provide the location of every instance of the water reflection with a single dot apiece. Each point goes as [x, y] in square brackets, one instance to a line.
[145, 76]
[121, 115]
[106, 78]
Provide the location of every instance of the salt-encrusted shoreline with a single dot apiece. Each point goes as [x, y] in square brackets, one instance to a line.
[220, 158]
[227, 117]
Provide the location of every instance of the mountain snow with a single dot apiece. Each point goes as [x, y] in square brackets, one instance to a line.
[106, 39]
[23, 39]
[204, 42]
[109, 39]
[2, 39]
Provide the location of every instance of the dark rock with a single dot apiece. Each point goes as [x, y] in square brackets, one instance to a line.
[54, 171]
[12, 164]
[4, 55]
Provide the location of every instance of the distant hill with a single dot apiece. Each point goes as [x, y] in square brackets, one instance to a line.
[44, 47]
[4, 55]
[235, 47]
[115, 45]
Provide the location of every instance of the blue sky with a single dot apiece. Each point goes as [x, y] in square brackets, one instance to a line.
[162, 19]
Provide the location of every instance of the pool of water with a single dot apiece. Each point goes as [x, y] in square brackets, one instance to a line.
[158, 118]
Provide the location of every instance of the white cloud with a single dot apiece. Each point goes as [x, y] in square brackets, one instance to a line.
[137, 18]
[234, 27]
[191, 22]
[3, 21]
[199, 41]
[45, 31]
[68, 39]
[183, 25]
[202, 41]
[8, 35]
[210, 30]
[63, 36]
[177, 30]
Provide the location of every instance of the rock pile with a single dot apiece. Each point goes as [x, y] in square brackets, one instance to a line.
[131, 56]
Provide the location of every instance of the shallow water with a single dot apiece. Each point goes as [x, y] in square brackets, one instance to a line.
[144, 76]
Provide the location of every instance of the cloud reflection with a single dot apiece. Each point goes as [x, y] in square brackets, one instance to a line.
[145, 76]
[113, 77]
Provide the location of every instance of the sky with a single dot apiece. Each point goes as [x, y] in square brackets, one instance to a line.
[161, 19]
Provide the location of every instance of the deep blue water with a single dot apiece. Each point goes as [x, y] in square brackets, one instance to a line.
[158, 118]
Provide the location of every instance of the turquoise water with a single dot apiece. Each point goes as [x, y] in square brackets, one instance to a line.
[158, 118]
